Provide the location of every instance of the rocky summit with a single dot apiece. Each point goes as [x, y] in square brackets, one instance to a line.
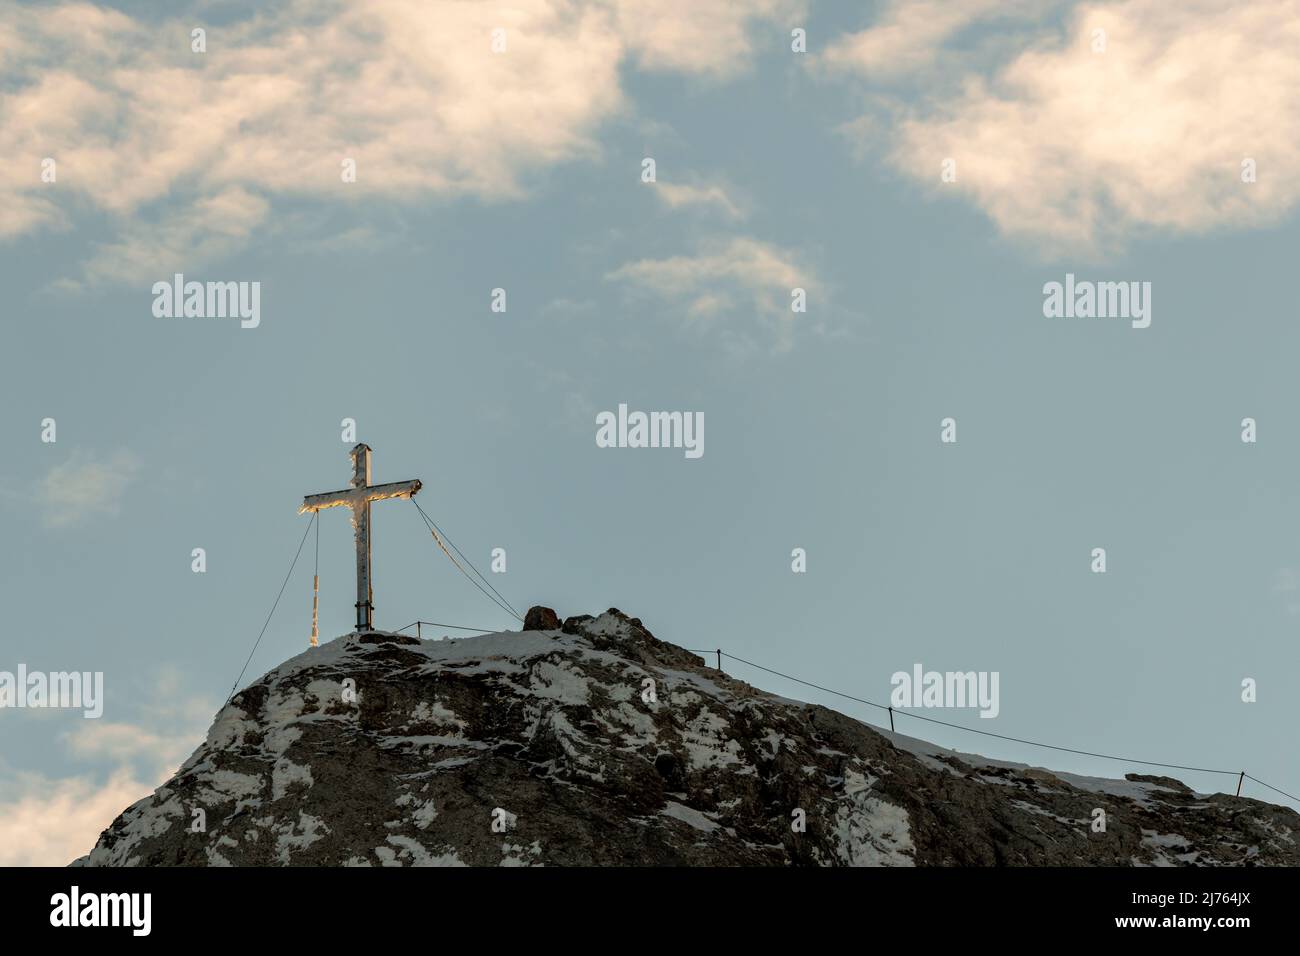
[592, 742]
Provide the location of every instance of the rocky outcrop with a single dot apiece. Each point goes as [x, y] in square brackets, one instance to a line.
[595, 743]
[541, 619]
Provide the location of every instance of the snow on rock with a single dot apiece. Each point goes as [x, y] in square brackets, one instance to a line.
[294, 837]
[679, 811]
[285, 774]
[382, 750]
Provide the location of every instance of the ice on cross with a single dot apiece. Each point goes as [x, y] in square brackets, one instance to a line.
[358, 498]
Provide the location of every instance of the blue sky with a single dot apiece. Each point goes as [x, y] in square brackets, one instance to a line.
[522, 170]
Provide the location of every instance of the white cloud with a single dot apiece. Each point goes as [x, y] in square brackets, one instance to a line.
[125, 741]
[409, 89]
[685, 195]
[910, 34]
[727, 275]
[184, 238]
[701, 36]
[51, 822]
[1075, 150]
[83, 487]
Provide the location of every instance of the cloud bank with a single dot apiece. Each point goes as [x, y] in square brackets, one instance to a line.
[188, 149]
[1071, 147]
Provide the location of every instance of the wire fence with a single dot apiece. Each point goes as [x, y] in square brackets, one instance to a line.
[892, 711]
[719, 654]
[454, 627]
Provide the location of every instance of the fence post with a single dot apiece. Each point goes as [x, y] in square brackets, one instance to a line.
[891, 719]
[1239, 780]
[719, 658]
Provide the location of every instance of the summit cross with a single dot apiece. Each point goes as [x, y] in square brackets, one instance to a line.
[358, 497]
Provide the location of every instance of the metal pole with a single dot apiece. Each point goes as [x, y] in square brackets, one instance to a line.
[891, 718]
[417, 631]
[719, 658]
[315, 610]
[1239, 780]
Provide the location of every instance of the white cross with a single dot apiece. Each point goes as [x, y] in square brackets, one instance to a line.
[358, 498]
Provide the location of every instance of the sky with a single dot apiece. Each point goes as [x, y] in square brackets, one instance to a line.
[920, 170]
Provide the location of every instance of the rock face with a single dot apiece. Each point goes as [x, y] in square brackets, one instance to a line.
[596, 743]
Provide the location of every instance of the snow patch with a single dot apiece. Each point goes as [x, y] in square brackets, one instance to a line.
[558, 682]
[870, 832]
[515, 854]
[291, 837]
[424, 811]
[434, 711]
[689, 816]
[224, 785]
[285, 774]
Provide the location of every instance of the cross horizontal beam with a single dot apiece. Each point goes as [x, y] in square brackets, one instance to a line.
[355, 496]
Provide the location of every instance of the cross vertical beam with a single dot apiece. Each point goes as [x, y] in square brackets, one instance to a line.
[361, 521]
[358, 498]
